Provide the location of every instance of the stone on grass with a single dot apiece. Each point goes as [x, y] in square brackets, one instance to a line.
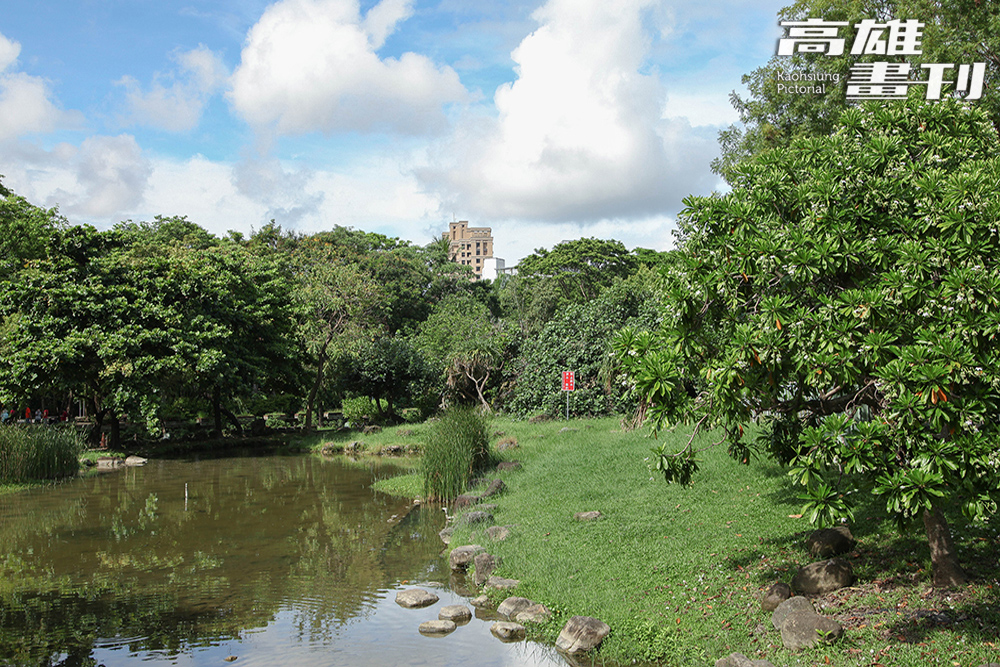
[587, 516]
[830, 542]
[513, 605]
[415, 598]
[823, 576]
[807, 630]
[496, 486]
[463, 501]
[439, 627]
[508, 632]
[498, 533]
[795, 605]
[777, 593]
[461, 557]
[502, 584]
[456, 613]
[482, 602]
[740, 660]
[485, 564]
[509, 465]
[472, 518]
[582, 633]
[537, 613]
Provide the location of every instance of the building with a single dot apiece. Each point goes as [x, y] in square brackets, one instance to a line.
[471, 246]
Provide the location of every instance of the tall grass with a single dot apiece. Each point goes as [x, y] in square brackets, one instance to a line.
[457, 447]
[38, 452]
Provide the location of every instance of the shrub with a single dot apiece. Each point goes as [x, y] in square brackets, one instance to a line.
[37, 452]
[457, 448]
[361, 410]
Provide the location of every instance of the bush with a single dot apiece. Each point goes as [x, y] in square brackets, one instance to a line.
[38, 452]
[457, 448]
[361, 410]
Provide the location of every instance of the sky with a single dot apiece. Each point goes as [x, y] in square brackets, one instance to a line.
[545, 120]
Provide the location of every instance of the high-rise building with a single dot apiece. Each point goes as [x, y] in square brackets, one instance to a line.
[471, 246]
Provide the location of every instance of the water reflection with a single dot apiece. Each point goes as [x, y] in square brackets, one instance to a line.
[274, 560]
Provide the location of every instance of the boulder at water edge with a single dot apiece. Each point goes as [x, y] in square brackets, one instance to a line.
[456, 613]
[461, 557]
[513, 605]
[508, 632]
[415, 597]
[437, 627]
[582, 633]
[485, 564]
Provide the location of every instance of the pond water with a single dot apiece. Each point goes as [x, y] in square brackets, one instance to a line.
[273, 560]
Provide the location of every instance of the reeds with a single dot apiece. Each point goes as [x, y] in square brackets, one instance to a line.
[38, 452]
[457, 447]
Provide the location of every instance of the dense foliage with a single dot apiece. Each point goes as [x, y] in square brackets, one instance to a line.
[457, 448]
[845, 295]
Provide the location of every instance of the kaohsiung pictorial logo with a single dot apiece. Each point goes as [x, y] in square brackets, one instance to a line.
[880, 80]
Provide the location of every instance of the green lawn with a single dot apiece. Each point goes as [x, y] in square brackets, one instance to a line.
[676, 571]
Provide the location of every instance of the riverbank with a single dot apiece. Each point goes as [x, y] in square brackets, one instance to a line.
[677, 572]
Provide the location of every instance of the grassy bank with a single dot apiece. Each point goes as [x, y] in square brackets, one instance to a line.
[33, 453]
[676, 571]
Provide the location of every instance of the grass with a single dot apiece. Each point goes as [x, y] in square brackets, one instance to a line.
[676, 572]
[33, 453]
[457, 447]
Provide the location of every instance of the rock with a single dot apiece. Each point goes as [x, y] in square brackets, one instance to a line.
[823, 577]
[463, 501]
[461, 557]
[740, 660]
[438, 627]
[456, 613]
[230, 658]
[109, 462]
[485, 564]
[506, 444]
[495, 487]
[502, 584]
[415, 597]
[488, 507]
[777, 593]
[135, 461]
[829, 542]
[587, 516]
[354, 447]
[567, 429]
[508, 632]
[391, 450]
[446, 534]
[807, 630]
[482, 602]
[514, 605]
[536, 613]
[498, 533]
[369, 430]
[509, 465]
[582, 633]
[472, 518]
[795, 605]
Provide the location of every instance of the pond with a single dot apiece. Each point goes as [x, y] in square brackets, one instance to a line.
[271, 560]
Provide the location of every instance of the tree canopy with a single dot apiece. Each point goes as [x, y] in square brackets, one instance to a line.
[845, 296]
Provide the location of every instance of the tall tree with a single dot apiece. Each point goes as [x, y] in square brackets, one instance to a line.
[845, 296]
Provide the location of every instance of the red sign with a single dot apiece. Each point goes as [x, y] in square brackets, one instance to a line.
[569, 381]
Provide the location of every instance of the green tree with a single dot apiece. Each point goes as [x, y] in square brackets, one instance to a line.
[845, 296]
[387, 369]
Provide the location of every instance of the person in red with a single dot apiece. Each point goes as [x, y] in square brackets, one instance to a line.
[27, 414]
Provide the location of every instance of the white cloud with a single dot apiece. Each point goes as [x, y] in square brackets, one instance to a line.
[579, 136]
[177, 105]
[311, 65]
[26, 106]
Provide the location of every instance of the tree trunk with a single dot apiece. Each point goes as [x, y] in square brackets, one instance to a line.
[233, 419]
[947, 572]
[217, 410]
[311, 402]
[116, 432]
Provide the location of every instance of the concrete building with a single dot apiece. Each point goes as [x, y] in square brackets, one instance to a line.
[471, 246]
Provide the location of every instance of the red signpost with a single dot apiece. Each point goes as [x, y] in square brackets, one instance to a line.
[569, 384]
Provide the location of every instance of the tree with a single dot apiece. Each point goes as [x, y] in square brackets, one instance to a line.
[956, 32]
[845, 296]
[581, 268]
[385, 368]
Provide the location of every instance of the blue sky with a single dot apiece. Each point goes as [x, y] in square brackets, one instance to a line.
[545, 120]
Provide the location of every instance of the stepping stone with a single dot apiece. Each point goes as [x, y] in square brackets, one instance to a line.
[414, 598]
[437, 627]
[456, 613]
[508, 632]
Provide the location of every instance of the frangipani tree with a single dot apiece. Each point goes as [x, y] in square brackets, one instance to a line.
[846, 296]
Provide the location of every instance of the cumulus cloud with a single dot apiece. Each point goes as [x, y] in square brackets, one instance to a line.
[175, 100]
[26, 104]
[580, 134]
[312, 65]
[284, 193]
